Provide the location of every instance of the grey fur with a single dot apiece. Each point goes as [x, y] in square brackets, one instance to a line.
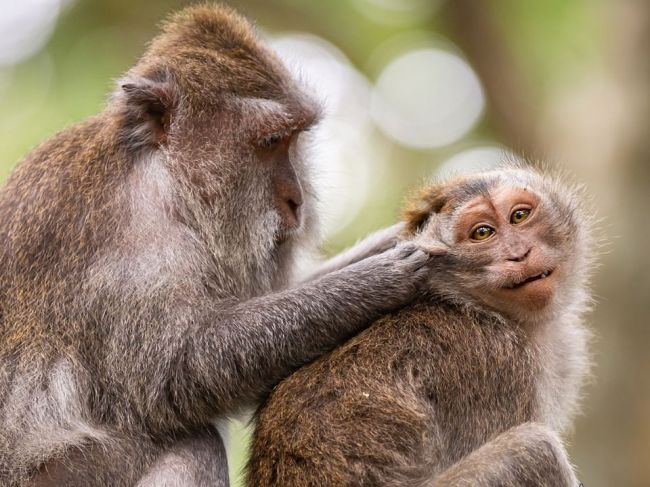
[145, 277]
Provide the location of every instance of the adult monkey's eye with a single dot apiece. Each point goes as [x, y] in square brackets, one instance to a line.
[482, 233]
[519, 215]
[271, 141]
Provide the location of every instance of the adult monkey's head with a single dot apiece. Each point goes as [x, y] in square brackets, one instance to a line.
[212, 110]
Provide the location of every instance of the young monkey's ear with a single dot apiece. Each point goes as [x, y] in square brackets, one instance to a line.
[420, 206]
[149, 106]
[430, 240]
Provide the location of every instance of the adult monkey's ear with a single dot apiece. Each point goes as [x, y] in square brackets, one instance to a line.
[149, 105]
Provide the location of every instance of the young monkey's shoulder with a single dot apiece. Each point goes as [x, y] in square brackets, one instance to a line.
[436, 318]
[427, 334]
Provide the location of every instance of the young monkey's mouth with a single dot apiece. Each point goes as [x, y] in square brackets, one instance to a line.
[536, 277]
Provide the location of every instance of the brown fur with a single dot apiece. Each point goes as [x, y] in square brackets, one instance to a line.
[448, 391]
[145, 262]
[403, 397]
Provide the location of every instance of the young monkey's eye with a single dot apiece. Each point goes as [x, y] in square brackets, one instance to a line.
[519, 215]
[482, 233]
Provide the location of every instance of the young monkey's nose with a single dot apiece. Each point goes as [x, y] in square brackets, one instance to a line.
[520, 257]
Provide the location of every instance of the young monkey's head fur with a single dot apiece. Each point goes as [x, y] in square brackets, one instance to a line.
[513, 239]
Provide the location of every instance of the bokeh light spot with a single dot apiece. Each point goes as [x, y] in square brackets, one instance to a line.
[397, 12]
[26, 26]
[474, 159]
[345, 155]
[427, 98]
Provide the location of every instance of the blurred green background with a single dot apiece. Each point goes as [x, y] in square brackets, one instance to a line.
[414, 88]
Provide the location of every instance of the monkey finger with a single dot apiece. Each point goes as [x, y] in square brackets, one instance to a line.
[436, 248]
[418, 259]
[405, 249]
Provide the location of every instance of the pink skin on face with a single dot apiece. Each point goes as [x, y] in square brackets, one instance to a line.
[508, 227]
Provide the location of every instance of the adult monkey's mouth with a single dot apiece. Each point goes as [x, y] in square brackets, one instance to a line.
[282, 236]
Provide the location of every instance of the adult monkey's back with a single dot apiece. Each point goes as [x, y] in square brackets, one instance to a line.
[143, 255]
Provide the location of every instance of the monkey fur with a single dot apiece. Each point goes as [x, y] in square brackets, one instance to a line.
[472, 384]
[148, 260]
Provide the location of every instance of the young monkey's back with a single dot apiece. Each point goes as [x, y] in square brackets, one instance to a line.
[404, 399]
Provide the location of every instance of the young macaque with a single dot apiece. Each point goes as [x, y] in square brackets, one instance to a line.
[472, 384]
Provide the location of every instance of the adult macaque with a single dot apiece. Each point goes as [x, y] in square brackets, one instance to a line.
[144, 260]
[471, 385]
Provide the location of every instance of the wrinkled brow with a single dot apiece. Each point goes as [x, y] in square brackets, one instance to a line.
[276, 116]
[468, 190]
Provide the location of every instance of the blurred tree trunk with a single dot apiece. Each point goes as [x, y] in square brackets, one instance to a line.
[630, 388]
[510, 108]
[607, 139]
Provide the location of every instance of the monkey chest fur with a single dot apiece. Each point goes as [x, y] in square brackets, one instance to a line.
[409, 396]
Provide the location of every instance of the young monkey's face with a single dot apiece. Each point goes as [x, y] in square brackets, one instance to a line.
[507, 236]
[509, 239]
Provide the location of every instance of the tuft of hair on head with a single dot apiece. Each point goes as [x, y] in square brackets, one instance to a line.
[209, 26]
[432, 198]
[419, 206]
[437, 194]
[205, 57]
[214, 51]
